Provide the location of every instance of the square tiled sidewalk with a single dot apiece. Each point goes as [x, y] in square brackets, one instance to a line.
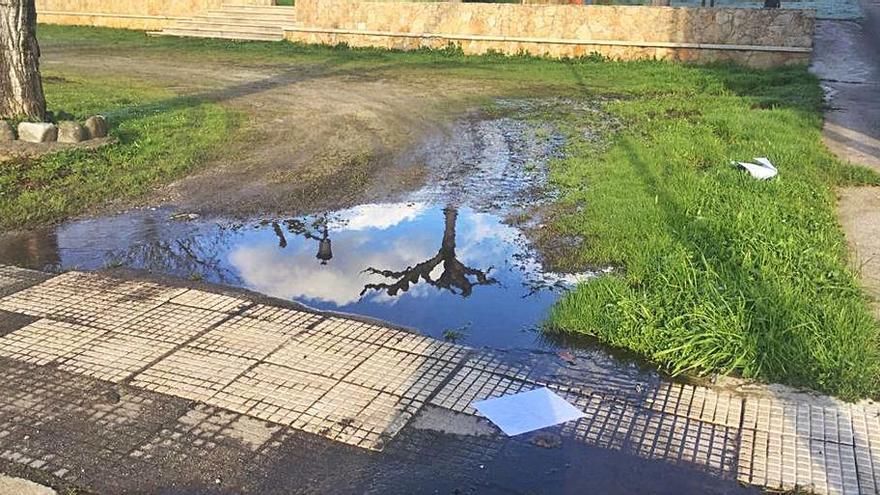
[347, 380]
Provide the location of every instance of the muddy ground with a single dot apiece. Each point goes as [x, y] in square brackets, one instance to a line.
[314, 137]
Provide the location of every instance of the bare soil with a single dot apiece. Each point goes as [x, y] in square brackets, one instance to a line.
[313, 139]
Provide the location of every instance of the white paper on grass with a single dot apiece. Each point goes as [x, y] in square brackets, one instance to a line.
[762, 170]
[528, 411]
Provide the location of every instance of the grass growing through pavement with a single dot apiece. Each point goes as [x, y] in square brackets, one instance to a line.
[717, 272]
[160, 137]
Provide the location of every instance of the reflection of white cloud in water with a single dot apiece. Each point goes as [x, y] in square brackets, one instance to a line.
[386, 237]
[295, 273]
[483, 240]
[380, 216]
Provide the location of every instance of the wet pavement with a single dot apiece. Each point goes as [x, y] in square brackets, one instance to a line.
[847, 59]
[116, 383]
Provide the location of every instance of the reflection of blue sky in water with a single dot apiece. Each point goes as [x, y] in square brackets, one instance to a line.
[395, 237]
[386, 237]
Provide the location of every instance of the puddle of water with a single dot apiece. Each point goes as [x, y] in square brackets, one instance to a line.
[442, 262]
[418, 265]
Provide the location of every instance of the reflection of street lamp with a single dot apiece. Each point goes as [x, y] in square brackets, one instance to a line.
[325, 251]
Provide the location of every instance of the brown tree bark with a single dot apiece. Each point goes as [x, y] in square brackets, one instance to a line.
[21, 88]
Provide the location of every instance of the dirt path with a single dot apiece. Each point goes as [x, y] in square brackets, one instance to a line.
[316, 137]
[847, 61]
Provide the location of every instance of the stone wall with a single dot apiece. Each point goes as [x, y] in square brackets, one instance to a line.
[129, 14]
[754, 37]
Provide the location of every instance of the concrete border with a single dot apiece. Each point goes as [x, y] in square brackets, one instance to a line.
[556, 41]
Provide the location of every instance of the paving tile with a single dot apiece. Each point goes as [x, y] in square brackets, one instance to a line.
[282, 316]
[607, 423]
[171, 323]
[357, 330]
[14, 279]
[273, 393]
[115, 357]
[401, 373]
[192, 373]
[258, 368]
[47, 341]
[426, 346]
[131, 288]
[208, 300]
[357, 416]
[489, 361]
[79, 305]
[322, 354]
[246, 337]
[470, 385]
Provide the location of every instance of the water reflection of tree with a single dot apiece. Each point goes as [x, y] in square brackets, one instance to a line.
[456, 277]
[202, 256]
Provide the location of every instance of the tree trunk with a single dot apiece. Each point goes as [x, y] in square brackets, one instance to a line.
[21, 89]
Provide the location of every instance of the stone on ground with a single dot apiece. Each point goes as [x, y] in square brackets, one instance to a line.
[6, 133]
[37, 132]
[96, 127]
[18, 486]
[71, 132]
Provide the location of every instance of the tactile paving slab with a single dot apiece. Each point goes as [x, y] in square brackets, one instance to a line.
[208, 300]
[283, 316]
[192, 373]
[171, 323]
[274, 393]
[246, 337]
[322, 354]
[47, 341]
[116, 357]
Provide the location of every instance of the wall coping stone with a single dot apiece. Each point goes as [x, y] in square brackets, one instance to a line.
[558, 41]
[102, 14]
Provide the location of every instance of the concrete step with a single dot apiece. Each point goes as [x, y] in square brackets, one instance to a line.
[246, 17]
[229, 26]
[229, 35]
[254, 21]
[258, 8]
[253, 13]
[250, 12]
[236, 22]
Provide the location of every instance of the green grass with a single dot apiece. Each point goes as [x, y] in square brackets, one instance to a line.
[720, 272]
[716, 272]
[160, 137]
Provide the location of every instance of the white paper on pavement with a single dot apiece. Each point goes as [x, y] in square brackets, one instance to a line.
[528, 411]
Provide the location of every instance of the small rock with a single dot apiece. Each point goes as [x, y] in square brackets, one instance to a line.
[111, 396]
[71, 132]
[183, 217]
[567, 356]
[96, 127]
[546, 441]
[33, 132]
[6, 133]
